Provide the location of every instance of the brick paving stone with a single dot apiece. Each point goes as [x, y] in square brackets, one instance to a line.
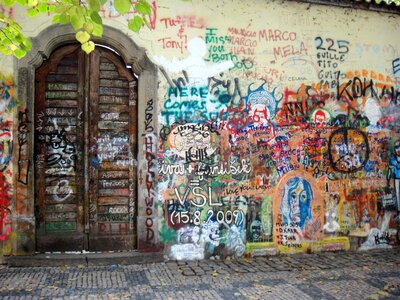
[188, 272]
[314, 292]
[246, 266]
[198, 271]
[348, 289]
[285, 291]
[279, 266]
[341, 275]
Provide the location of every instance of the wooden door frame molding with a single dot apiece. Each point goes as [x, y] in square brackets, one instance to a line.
[148, 218]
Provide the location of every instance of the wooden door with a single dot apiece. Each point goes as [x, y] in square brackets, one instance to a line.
[85, 152]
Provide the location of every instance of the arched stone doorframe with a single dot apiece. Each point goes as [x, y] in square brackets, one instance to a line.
[23, 217]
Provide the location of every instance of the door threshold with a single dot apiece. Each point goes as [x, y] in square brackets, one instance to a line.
[79, 259]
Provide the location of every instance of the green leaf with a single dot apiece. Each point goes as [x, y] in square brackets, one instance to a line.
[62, 9]
[33, 12]
[143, 7]
[22, 2]
[122, 6]
[64, 19]
[82, 36]
[12, 47]
[77, 21]
[13, 29]
[52, 9]
[82, 11]
[18, 38]
[103, 2]
[43, 8]
[6, 41]
[88, 47]
[9, 2]
[19, 53]
[97, 30]
[7, 52]
[135, 23]
[32, 2]
[88, 26]
[72, 11]
[27, 44]
[94, 5]
[146, 22]
[56, 19]
[24, 47]
[96, 18]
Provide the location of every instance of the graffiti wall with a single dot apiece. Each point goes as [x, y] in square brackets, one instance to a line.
[276, 136]
[276, 129]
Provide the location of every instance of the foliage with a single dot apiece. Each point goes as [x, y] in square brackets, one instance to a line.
[83, 15]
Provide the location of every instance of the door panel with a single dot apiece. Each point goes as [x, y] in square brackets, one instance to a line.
[85, 150]
[58, 152]
[112, 155]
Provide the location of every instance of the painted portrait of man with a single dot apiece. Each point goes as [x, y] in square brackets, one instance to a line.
[320, 118]
[296, 202]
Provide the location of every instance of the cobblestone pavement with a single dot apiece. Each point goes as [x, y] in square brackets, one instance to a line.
[343, 275]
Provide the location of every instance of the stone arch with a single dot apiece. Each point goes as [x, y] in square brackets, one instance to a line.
[42, 46]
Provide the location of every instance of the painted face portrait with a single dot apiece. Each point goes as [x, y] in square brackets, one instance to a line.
[212, 233]
[296, 202]
[320, 119]
[255, 231]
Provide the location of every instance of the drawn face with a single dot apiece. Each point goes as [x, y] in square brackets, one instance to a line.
[255, 230]
[212, 233]
[296, 202]
[298, 199]
[320, 119]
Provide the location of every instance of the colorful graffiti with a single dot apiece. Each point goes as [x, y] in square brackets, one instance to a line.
[263, 137]
[7, 103]
[272, 169]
